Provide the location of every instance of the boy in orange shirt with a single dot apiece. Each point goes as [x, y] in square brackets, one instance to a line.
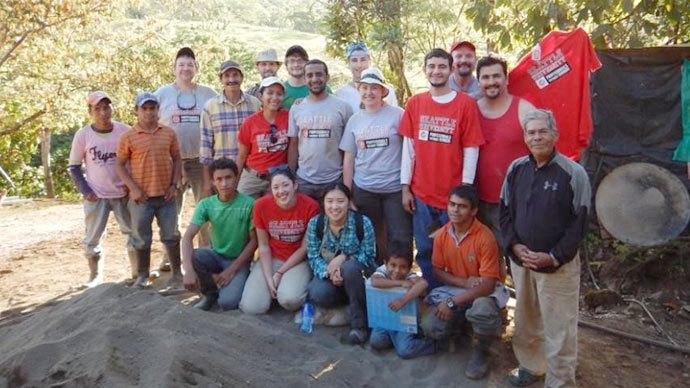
[465, 262]
[153, 155]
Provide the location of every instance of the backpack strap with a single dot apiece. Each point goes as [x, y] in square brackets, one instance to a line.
[319, 226]
[359, 226]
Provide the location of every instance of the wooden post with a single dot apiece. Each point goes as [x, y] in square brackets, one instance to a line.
[45, 160]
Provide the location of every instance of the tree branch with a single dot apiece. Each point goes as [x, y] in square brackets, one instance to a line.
[22, 123]
[16, 44]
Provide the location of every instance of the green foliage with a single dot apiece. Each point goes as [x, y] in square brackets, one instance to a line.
[518, 25]
[52, 54]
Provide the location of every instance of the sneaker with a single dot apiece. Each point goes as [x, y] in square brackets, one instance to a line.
[520, 377]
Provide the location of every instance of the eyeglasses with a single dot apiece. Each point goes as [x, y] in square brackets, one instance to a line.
[274, 131]
[186, 101]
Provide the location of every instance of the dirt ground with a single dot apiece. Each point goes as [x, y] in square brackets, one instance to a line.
[41, 264]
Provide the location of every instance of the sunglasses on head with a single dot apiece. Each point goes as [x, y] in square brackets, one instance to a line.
[273, 133]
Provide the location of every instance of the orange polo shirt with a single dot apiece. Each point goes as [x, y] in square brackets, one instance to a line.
[150, 156]
[476, 254]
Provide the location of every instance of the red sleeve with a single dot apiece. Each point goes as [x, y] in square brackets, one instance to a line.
[438, 259]
[471, 127]
[313, 208]
[245, 135]
[257, 213]
[406, 127]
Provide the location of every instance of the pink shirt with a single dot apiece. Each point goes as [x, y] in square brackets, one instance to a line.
[97, 152]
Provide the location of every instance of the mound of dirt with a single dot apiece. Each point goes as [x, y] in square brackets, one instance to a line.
[113, 336]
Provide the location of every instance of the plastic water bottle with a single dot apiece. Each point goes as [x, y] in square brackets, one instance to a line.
[307, 318]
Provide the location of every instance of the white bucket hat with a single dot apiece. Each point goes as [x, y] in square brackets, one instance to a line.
[373, 75]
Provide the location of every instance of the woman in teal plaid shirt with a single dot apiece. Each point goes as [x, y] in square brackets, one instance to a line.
[341, 249]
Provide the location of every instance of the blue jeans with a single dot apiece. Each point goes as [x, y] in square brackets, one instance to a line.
[322, 293]
[421, 219]
[406, 345]
[207, 262]
[142, 215]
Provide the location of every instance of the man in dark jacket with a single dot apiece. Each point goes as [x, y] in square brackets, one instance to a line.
[544, 204]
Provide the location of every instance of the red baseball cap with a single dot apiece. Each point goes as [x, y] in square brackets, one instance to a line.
[459, 43]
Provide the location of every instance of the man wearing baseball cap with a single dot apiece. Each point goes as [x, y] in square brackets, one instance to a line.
[296, 88]
[267, 64]
[180, 108]
[222, 117]
[358, 60]
[95, 146]
[464, 60]
[152, 153]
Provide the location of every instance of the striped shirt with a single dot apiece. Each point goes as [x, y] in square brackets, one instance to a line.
[150, 156]
[220, 124]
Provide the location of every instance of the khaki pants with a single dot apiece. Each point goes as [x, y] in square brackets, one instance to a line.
[546, 312]
[292, 290]
[252, 185]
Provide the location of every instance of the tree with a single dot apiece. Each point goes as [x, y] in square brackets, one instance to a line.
[518, 25]
[400, 31]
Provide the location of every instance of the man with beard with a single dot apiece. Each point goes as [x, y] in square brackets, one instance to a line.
[267, 64]
[222, 117]
[500, 115]
[358, 60]
[464, 59]
[442, 138]
[315, 128]
[295, 87]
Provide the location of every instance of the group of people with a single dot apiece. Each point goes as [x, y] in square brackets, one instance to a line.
[301, 194]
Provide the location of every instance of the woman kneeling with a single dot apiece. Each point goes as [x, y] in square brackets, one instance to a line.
[281, 273]
[341, 249]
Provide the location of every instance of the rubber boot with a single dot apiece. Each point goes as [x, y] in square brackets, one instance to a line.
[133, 266]
[207, 302]
[96, 271]
[173, 253]
[479, 361]
[143, 263]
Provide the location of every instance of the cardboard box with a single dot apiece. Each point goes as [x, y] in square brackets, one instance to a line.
[381, 316]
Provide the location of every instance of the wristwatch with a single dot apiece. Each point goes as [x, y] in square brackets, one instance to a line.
[450, 303]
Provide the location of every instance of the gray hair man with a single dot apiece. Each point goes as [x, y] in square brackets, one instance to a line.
[543, 210]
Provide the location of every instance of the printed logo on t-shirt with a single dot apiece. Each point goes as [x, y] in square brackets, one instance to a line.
[436, 129]
[549, 69]
[182, 119]
[373, 136]
[287, 230]
[101, 156]
[263, 142]
[318, 133]
[315, 127]
[471, 256]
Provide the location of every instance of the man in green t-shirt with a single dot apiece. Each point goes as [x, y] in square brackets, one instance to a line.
[220, 272]
[296, 58]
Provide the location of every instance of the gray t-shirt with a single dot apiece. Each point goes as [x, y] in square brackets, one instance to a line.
[181, 111]
[377, 145]
[472, 90]
[319, 127]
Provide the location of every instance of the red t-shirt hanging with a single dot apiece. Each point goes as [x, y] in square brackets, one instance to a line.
[559, 82]
[255, 134]
[439, 131]
[505, 142]
[285, 228]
